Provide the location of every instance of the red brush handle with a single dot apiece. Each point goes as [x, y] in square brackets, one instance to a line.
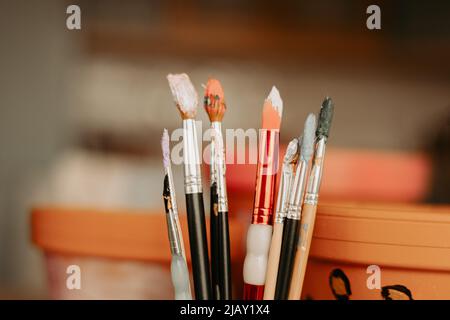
[253, 292]
[266, 176]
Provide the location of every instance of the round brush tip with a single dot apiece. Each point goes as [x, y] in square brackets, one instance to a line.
[291, 151]
[308, 137]
[325, 118]
[214, 100]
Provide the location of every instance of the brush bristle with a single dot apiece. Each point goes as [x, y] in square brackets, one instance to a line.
[291, 151]
[300, 142]
[325, 118]
[272, 110]
[184, 94]
[277, 103]
[165, 148]
[214, 100]
[308, 137]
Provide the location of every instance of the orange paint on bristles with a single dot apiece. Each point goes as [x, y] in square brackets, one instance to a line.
[214, 87]
[214, 100]
[270, 118]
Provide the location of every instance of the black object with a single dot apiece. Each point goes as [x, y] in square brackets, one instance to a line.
[199, 245]
[225, 256]
[287, 255]
[338, 274]
[214, 243]
[387, 290]
[220, 250]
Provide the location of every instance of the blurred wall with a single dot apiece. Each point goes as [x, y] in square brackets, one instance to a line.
[35, 55]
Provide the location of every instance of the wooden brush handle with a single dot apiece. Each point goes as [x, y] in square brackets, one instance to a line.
[301, 257]
[199, 245]
[272, 263]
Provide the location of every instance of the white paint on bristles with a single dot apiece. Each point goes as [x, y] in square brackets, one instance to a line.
[184, 93]
[277, 102]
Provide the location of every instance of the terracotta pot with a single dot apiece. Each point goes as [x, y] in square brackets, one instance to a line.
[409, 243]
[121, 254]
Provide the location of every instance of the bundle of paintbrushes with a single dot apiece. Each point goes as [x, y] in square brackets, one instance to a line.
[277, 243]
[310, 201]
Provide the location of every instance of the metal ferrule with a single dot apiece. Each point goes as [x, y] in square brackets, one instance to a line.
[220, 168]
[312, 192]
[216, 128]
[298, 190]
[266, 174]
[173, 223]
[284, 191]
[192, 173]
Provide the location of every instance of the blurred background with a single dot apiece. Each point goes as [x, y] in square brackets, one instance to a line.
[81, 111]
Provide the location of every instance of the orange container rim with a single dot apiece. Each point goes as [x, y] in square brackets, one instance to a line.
[398, 235]
[122, 234]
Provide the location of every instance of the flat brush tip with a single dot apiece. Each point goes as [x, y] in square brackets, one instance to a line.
[307, 149]
[325, 118]
[184, 94]
[214, 100]
[165, 148]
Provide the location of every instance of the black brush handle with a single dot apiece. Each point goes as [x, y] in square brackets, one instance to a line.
[225, 257]
[199, 245]
[214, 243]
[287, 255]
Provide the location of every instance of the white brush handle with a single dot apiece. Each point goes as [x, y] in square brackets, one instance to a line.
[180, 278]
[255, 263]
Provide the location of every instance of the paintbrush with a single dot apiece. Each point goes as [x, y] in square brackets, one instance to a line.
[178, 266]
[284, 189]
[215, 107]
[260, 231]
[186, 100]
[291, 224]
[311, 199]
